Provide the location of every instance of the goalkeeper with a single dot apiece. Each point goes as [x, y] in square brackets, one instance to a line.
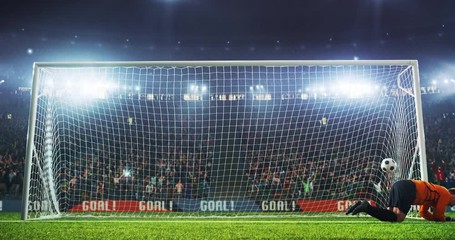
[405, 193]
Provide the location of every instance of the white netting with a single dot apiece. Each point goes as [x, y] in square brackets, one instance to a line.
[207, 139]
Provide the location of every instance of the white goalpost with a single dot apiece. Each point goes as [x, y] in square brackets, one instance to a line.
[219, 138]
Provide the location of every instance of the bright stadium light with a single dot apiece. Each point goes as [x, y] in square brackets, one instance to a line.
[257, 88]
[353, 90]
[322, 89]
[196, 88]
[127, 173]
[82, 87]
[91, 90]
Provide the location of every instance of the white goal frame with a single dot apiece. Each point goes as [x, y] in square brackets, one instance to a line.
[419, 154]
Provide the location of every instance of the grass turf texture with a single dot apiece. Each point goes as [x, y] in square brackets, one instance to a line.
[221, 228]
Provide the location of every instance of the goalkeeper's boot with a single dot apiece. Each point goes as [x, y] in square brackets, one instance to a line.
[363, 207]
[352, 207]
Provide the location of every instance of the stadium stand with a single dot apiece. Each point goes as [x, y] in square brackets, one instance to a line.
[186, 171]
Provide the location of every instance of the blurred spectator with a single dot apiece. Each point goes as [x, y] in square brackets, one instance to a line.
[16, 184]
[447, 183]
[179, 189]
[3, 181]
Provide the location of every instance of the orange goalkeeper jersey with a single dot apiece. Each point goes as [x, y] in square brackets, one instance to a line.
[434, 196]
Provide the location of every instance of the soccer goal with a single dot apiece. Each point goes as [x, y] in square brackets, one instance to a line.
[219, 138]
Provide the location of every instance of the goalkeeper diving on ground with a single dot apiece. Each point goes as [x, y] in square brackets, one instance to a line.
[405, 193]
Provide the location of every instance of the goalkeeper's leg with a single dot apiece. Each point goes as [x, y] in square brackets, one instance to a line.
[379, 213]
[352, 207]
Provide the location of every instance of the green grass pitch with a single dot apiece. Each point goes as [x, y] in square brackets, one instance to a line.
[221, 228]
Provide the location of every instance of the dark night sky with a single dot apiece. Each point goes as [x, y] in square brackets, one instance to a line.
[120, 30]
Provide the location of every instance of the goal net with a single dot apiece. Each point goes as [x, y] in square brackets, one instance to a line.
[219, 138]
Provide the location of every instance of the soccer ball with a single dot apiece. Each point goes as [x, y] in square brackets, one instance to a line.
[388, 165]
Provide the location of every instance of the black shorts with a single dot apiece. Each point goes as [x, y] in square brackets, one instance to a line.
[402, 195]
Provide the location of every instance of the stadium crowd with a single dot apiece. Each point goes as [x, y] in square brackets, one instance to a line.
[176, 165]
[344, 174]
[182, 164]
[440, 143]
[174, 174]
[13, 128]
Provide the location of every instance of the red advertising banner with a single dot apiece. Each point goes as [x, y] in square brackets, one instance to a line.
[167, 206]
[325, 205]
[122, 206]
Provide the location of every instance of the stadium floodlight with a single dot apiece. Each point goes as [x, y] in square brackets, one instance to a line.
[194, 88]
[357, 90]
[81, 87]
[115, 154]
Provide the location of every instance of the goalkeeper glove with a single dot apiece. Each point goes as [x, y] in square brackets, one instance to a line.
[449, 219]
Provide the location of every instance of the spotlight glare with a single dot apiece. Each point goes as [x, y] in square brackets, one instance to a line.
[127, 173]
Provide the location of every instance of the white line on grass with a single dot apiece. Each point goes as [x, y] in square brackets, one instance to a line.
[200, 221]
